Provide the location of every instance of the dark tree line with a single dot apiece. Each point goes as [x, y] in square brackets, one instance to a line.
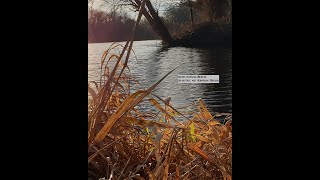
[113, 26]
[214, 10]
[110, 27]
[179, 17]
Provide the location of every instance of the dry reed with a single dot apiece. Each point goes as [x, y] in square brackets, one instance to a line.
[125, 142]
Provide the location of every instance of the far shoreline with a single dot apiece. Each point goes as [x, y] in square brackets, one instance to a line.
[124, 41]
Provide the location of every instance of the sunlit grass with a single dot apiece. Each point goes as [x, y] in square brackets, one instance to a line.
[125, 142]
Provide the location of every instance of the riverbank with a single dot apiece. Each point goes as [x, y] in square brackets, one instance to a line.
[206, 35]
[126, 142]
[202, 35]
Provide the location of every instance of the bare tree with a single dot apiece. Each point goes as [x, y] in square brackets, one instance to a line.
[149, 13]
[216, 9]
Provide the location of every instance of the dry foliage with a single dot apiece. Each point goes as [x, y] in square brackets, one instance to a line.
[125, 142]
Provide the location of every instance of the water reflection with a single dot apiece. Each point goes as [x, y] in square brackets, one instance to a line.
[154, 61]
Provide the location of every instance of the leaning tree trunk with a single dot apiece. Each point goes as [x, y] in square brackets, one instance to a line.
[156, 23]
[191, 13]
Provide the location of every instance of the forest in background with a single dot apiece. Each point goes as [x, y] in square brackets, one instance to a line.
[115, 23]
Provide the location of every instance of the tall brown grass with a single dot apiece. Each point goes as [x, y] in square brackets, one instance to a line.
[125, 142]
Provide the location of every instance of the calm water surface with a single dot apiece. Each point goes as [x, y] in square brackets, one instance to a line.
[152, 62]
